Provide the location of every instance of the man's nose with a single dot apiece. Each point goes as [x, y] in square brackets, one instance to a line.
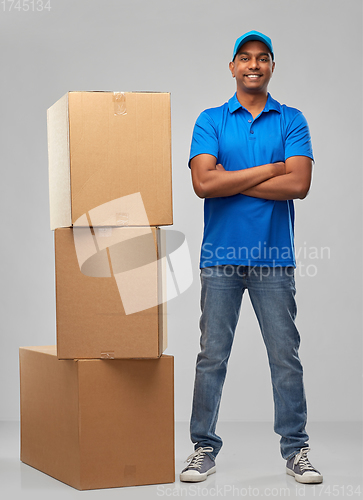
[254, 64]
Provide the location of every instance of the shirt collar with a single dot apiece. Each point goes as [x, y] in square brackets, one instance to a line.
[271, 104]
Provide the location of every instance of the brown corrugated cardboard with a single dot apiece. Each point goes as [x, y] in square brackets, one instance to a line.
[104, 146]
[97, 423]
[110, 292]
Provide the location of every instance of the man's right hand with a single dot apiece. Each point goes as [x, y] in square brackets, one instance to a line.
[280, 168]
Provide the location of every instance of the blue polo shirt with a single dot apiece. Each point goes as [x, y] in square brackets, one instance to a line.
[240, 229]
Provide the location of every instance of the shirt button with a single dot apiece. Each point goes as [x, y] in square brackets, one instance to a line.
[249, 121]
[251, 131]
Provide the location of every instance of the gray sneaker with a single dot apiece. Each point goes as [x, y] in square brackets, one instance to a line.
[199, 467]
[300, 467]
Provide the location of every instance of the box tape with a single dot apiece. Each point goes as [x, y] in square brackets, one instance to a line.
[119, 103]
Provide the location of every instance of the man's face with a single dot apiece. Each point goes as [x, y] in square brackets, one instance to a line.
[252, 67]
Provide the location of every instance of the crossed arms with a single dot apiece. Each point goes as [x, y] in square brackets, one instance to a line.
[274, 181]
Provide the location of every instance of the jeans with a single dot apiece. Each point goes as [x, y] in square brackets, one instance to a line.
[272, 293]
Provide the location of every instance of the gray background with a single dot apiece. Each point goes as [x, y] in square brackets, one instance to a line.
[184, 47]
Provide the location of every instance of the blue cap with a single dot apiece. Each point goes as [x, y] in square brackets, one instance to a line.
[252, 35]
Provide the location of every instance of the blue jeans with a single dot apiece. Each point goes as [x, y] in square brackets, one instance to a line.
[272, 293]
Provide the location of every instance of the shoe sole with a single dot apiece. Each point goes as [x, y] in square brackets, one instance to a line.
[193, 478]
[306, 479]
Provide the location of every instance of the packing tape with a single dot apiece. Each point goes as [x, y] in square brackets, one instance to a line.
[108, 355]
[127, 210]
[119, 103]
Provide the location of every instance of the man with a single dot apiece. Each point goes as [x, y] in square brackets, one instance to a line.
[249, 159]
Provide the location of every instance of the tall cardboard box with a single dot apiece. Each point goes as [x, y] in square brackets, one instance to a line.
[105, 146]
[97, 423]
[110, 292]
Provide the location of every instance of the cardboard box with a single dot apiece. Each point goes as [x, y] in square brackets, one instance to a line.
[103, 146]
[110, 292]
[97, 423]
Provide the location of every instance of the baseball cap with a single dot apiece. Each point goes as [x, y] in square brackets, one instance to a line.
[252, 35]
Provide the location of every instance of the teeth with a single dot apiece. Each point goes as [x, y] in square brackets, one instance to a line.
[253, 76]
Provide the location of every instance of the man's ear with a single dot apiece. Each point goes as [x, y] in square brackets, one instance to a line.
[231, 67]
[273, 66]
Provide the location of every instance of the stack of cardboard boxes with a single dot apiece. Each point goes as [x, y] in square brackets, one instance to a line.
[97, 409]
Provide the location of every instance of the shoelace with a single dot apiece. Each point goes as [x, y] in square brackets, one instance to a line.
[196, 459]
[303, 461]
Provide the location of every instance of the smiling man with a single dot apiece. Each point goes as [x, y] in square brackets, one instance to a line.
[249, 159]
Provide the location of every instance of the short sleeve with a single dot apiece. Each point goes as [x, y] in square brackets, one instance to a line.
[298, 140]
[204, 139]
